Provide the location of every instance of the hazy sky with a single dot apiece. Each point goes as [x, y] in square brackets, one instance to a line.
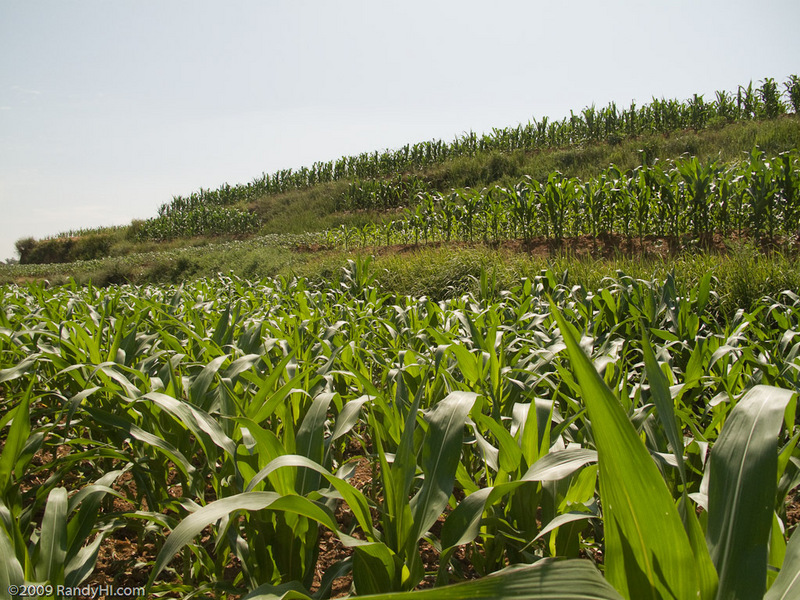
[108, 108]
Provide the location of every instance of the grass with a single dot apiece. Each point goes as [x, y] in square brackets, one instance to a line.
[744, 275]
[744, 272]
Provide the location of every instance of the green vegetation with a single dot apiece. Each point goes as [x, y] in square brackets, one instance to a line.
[65, 249]
[195, 222]
[545, 420]
[562, 359]
[760, 196]
[743, 272]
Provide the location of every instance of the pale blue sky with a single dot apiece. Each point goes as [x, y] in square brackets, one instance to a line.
[109, 108]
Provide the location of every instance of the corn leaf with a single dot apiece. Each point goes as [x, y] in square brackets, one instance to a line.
[310, 442]
[354, 498]
[563, 519]
[659, 392]
[441, 452]
[787, 583]
[374, 569]
[10, 569]
[706, 573]
[648, 554]
[557, 465]
[192, 525]
[741, 491]
[15, 442]
[52, 546]
[545, 580]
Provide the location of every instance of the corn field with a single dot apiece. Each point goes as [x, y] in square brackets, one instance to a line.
[196, 221]
[759, 196]
[610, 123]
[625, 442]
[381, 194]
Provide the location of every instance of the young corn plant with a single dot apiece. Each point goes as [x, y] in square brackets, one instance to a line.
[634, 440]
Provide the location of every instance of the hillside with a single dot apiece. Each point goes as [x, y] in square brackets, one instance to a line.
[594, 184]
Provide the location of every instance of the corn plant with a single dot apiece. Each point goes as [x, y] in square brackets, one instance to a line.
[682, 198]
[629, 441]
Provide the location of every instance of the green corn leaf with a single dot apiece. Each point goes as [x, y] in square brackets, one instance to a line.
[348, 417]
[268, 383]
[741, 491]
[110, 371]
[703, 292]
[267, 400]
[787, 583]
[269, 447]
[467, 362]
[285, 591]
[581, 487]
[354, 498]
[221, 332]
[648, 554]
[557, 465]
[82, 524]
[51, 549]
[201, 383]
[546, 580]
[80, 566]
[441, 452]
[197, 421]
[15, 441]
[659, 392]
[397, 479]
[510, 452]
[138, 433]
[563, 519]
[339, 569]
[192, 525]
[706, 573]
[10, 569]
[777, 550]
[463, 524]
[12, 527]
[786, 452]
[534, 420]
[374, 569]
[241, 364]
[18, 370]
[310, 441]
[562, 580]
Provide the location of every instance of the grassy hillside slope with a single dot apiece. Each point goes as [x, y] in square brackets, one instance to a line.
[307, 222]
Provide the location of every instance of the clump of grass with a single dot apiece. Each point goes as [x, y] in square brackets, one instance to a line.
[747, 274]
[433, 272]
